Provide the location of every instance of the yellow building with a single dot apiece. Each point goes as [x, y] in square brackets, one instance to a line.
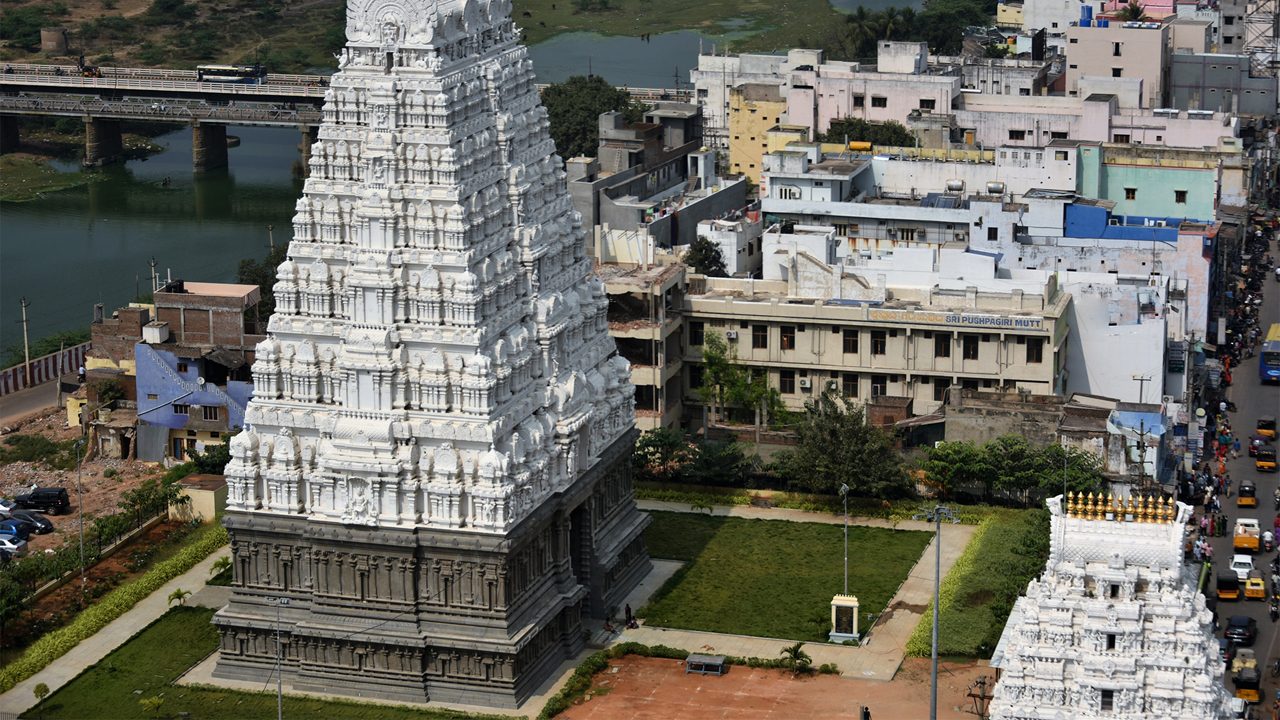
[1009, 15]
[753, 111]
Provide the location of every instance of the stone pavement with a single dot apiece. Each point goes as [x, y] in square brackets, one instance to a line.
[882, 653]
[61, 671]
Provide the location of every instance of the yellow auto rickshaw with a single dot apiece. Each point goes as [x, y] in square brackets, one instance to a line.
[1264, 460]
[1228, 586]
[1248, 495]
[1255, 588]
[1267, 427]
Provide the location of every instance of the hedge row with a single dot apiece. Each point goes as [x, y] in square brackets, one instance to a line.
[895, 511]
[580, 682]
[203, 543]
[920, 644]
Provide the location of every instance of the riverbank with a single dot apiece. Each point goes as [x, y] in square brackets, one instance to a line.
[30, 174]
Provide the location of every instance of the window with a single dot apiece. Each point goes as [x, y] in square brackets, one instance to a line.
[993, 234]
[788, 337]
[1117, 72]
[942, 345]
[969, 346]
[1115, 49]
[877, 101]
[215, 434]
[787, 382]
[1017, 134]
[210, 412]
[1035, 350]
[1108, 700]
[1229, 20]
[152, 396]
[849, 384]
[879, 342]
[1024, 91]
[851, 342]
[1121, 138]
[928, 103]
[182, 367]
[759, 336]
[1060, 155]
[859, 101]
[879, 385]
[1114, 591]
[696, 333]
[1131, 193]
[695, 376]
[1057, 135]
[1227, 40]
[179, 409]
[1180, 197]
[939, 389]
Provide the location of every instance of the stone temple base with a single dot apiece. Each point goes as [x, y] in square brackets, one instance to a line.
[424, 614]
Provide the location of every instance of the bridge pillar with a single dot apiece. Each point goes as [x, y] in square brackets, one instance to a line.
[208, 146]
[309, 135]
[9, 139]
[102, 143]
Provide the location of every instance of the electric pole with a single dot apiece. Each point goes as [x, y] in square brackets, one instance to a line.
[271, 237]
[1142, 386]
[936, 516]
[154, 277]
[26, 347]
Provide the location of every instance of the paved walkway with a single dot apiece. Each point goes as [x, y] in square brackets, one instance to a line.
[877, 659]
[92, 649]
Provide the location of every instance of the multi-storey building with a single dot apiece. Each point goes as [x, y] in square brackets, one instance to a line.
[1116, 624]
[646, 306]
[912, 325]
[1120, 50]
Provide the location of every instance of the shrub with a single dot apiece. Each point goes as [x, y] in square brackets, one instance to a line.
[37, 448]
[57, 643]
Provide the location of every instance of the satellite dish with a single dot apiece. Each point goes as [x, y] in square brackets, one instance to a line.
[200, 381]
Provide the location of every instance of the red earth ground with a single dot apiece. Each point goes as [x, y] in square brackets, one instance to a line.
[650, 688]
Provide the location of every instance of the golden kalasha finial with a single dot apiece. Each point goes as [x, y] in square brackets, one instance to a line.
[1090, 506]
[1129, 510]
[1071, 504]
[1148, 512]
[1169, 508]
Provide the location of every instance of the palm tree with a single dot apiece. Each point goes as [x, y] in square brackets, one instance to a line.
[797, 658]
[220, 566]
[860, 30]
[1133, 12]
[180, 595]
[890, 23]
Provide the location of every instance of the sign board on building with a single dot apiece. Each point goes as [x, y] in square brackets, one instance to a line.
[962, 319]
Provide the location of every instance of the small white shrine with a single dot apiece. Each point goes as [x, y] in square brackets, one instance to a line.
[1115, 627]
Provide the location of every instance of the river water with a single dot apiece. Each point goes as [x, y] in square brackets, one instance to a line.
[73, 248]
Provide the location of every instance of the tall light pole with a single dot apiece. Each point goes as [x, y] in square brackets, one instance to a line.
[936, 516]
[279, 679]
[844, 495]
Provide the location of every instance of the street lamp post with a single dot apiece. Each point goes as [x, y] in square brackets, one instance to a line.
[844, 495]
[80, 502]
[936, 516]
[279, 679]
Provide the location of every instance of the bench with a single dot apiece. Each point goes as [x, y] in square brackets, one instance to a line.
[705, 664]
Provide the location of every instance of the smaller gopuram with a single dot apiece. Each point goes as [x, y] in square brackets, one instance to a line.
[1115, 626]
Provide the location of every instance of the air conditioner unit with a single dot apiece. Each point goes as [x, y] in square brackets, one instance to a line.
[805, 383]
[731, 335]
[962, 237]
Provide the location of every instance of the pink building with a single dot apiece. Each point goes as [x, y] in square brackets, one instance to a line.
[1124, 50]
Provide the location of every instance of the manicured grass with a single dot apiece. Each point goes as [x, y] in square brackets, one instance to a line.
[771, 578]
[147, 665]
[1006, 552]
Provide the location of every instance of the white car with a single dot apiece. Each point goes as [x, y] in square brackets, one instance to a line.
[7, 507]
[13, 545]
[1242, 565]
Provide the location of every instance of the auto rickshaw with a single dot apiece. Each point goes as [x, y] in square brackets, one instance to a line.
[1247, 681]
[1267, 427]
[1257, 442]
[1248, 494]
[1255, 588]
[1265, 459]
[1228, 586]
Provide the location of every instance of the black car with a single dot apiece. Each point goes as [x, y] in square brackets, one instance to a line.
[1243, 629]
[52, 500]
[41, 525]
[16, 528]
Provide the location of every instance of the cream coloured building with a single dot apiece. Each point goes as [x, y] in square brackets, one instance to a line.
[911, 325]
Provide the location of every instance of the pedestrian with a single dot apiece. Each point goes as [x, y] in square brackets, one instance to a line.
[1222, 406]
[80, 374]
[1235, 448]
[1197, 551]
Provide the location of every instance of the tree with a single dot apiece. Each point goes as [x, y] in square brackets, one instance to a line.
[219, 566]
[996, 51]
[731, 385]
[952, 465]
[213, 460]
[704, 256]
[263, 274]
[1133, 11]
[836, 446]
[180, 596]
[573, 110]
[797, 658]
[661, 455]
[721, 464]
[152, 704]
[852, 129]
[1016, 465]
[41, 691]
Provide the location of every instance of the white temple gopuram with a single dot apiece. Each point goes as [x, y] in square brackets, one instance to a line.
[1114, 627]
[435, 469]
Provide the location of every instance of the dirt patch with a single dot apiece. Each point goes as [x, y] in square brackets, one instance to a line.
[636, 687]
[101, 494]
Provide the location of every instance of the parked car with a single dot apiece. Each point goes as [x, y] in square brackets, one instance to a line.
[1243, 629]
[1227, 649]
[50, 500]
[13, 546]
[41, 525]
[7, 506]
[16, 528]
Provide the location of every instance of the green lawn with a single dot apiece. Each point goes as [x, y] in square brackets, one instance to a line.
[771, 578]
[147, 665]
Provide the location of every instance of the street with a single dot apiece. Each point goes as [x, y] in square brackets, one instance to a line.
[17, 405]
[1252, 399]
